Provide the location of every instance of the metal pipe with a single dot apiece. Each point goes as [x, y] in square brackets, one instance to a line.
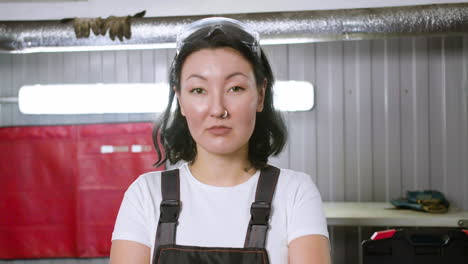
[279, 27]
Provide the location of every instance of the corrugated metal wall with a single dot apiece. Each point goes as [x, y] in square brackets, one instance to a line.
[390, 115]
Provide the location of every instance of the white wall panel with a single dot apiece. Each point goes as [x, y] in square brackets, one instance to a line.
[364, 122]
[323, 121]
[358, 146]
[336, 114]
[29, 73]
[352, 68]
[278, 57]
[109, 66]
[5, 86]
[17, 69]
[147, 70]
[121, 66]
[464, 130]
[392, 117]
[303, 129]
[386, 118]
[437, 114]
[379, 121]
[121, 70]
[80, 60]
[414, 114]
[453, 68]
[330, 120]
[420, 115]
[95, 74]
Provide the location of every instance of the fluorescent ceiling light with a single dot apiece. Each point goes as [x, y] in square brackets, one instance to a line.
[134, 98]
[93, 98]
[293, 96]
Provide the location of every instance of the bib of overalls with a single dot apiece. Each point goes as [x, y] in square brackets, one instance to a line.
[210, 255]
[166, 251]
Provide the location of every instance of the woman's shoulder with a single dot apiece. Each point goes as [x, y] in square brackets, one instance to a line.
[147, 178]
[293, 180]
[148, 182]
[152, 176]
[294, 175]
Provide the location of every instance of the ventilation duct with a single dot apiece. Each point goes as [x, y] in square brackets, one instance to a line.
[282, 27]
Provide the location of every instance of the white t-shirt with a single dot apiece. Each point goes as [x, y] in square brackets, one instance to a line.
[218, 216]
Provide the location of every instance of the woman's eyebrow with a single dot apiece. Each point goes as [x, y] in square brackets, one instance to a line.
[235, 74]
[195, 76]
[227, 77]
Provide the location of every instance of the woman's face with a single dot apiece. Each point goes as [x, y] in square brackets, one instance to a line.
[214, 81]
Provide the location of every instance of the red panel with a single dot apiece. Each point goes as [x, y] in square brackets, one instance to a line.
[59, 193]
[37, 241]
[38, 132]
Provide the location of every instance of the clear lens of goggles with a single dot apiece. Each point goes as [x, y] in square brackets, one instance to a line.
[230, 27]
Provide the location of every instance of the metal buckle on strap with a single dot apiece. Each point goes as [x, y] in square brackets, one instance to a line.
[260, 212]
[170, 210]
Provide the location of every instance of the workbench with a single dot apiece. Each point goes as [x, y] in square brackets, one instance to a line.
[385, 214]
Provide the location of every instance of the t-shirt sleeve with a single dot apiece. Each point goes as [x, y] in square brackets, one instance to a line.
[307, 216]
[131, 223]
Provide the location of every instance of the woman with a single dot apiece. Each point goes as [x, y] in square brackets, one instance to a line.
[224, 127]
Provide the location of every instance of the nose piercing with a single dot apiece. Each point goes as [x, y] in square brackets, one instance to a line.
[225, 114]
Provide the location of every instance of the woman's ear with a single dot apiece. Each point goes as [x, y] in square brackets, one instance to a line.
[261, 96]
[178, 100]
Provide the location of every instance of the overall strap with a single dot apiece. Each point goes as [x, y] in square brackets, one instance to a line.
[260, 209]
[169, 209]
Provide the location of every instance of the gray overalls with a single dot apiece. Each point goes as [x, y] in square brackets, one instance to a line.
[167, 252]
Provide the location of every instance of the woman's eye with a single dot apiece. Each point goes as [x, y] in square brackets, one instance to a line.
[236, 89]
[197, 91]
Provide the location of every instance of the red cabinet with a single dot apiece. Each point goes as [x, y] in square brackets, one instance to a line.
[61, 186]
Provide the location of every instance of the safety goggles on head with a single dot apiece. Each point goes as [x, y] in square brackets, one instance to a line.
[203, 28]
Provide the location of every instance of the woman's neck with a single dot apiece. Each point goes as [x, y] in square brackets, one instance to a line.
[221, 170]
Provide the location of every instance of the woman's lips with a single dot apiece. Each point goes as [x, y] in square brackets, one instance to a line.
[219, 130]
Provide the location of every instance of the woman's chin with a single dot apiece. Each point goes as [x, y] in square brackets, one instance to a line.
[225, 149]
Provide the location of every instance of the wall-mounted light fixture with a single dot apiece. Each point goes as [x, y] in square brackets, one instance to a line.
[134, 98]
[93, 98]
[294, 96]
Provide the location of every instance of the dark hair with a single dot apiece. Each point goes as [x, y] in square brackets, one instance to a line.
[269, 135]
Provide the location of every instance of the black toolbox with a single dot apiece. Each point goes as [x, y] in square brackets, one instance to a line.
[417, 246]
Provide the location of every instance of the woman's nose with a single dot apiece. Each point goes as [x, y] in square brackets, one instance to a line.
[217, 107]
